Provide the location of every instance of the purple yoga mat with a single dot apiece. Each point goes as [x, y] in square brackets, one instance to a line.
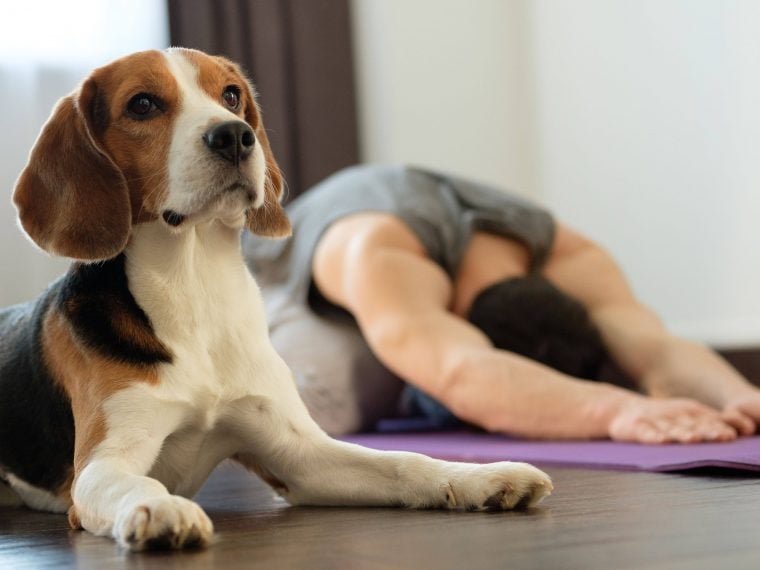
[742, 454]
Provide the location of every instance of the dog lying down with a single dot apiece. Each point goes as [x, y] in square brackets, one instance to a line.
[149, 362]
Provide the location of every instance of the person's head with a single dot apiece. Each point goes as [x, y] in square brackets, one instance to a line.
[531, 317]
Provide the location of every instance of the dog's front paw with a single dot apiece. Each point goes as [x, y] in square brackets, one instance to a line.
[169, 522]
[496, 486]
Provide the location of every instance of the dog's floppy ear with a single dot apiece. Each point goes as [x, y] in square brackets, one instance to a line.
[270, 219]
[72, 200]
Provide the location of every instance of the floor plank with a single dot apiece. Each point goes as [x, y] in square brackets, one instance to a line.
[595, 519]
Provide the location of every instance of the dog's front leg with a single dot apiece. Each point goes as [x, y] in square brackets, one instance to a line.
[304, 465]
[112, 493]
[136, 510]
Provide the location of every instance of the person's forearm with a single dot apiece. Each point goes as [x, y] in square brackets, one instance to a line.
[664, 365]
[503, 392]
[498, 390]
[690, 369]
[634, 336]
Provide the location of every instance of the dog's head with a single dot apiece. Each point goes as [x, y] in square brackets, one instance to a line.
[174, 136]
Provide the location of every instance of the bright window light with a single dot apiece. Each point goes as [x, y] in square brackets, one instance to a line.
[77, 32]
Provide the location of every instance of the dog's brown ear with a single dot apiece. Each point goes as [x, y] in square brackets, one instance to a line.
[270, 219]
[72, 200]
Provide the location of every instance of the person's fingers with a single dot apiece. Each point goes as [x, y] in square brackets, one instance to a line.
[723, 432]
[748, 405]
[743, 424]
[716, 430]
[650, 435]
[663, 425]
[688, 428]
[683, 434]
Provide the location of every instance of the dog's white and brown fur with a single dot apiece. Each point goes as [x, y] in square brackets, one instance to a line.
[148, 363]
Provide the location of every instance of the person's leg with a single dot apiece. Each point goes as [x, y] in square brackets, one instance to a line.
[344, 387]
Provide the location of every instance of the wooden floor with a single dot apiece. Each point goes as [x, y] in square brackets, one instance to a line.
[595, 519]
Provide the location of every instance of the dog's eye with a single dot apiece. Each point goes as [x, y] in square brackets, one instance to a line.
[231, 96]
[142, 106]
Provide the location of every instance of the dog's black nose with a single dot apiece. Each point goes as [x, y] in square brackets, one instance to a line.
[232, 140]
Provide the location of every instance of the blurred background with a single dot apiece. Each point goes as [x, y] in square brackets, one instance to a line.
[637, 123]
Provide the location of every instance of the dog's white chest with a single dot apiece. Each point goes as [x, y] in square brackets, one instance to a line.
[203, 306]
[206, 309]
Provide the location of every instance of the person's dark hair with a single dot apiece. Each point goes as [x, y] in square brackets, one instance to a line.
[531, 317]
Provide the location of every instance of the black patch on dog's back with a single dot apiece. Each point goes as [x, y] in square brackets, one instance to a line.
[96, 300]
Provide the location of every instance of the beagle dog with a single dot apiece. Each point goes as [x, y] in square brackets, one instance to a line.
[130, 378]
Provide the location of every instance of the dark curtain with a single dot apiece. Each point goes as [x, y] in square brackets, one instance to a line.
[298, 54]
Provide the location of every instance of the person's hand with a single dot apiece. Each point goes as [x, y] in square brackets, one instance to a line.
[747, 405]
[677, 420]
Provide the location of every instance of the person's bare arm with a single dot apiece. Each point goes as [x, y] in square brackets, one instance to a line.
[664, 365]
[376, 268]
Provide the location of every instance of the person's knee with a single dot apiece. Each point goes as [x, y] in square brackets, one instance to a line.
[342, 384]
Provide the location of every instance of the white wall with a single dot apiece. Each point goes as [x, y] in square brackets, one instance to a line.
[637, 122]
[435, 82]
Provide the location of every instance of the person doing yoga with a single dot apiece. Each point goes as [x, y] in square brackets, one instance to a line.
[482, 308]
